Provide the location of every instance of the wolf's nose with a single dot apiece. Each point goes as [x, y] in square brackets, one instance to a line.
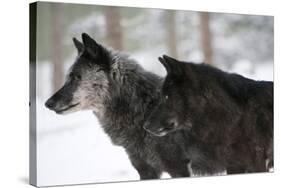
[50, 103]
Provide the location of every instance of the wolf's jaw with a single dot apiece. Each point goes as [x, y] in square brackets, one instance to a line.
[61, 111]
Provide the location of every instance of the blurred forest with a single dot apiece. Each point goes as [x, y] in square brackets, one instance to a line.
[223, 40]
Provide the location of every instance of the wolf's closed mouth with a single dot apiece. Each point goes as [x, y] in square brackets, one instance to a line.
[161, 132]
[67, 108]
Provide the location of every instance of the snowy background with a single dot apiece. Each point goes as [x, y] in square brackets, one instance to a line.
[73, 148]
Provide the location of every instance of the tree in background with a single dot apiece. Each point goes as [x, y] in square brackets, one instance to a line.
[206, 38]
[171, 33]
[57, 46]
[114, 34]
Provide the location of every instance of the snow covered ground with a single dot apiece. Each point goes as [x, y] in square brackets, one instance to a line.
[74, 149]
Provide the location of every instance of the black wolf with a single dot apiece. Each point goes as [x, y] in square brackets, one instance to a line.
[230, 115]
[121, 94]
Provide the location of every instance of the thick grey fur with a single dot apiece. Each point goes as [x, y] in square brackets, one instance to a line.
[120, 93]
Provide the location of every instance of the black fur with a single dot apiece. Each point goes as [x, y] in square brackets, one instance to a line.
[229, 115]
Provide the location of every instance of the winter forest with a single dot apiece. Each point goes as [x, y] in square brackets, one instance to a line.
[73, 147]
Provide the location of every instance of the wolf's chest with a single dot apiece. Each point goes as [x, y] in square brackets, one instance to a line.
[147, 152]
[123, 131]
[121, 135]
[136, 143]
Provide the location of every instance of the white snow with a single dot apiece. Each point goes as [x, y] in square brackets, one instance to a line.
[74, 149]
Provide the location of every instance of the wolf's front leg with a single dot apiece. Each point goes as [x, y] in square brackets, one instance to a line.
[145, 170]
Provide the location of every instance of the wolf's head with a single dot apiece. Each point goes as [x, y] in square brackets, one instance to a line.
[87, 81]
[173, 111]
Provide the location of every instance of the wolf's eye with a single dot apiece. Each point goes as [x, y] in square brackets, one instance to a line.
[165, 98]
[90, 64]
[96, 85]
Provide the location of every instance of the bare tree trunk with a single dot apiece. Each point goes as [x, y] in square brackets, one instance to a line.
[206, 40]
[57, 56]
[114, 33]
[172, 33]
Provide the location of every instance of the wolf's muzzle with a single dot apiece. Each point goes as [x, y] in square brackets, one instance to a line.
[50, 104]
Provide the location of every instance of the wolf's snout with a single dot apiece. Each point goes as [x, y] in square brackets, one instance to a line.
[50, 103]
[159, 129]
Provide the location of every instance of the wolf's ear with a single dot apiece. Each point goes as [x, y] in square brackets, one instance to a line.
[172, 66]
[91, 46]
[79, 45]
[165, 64]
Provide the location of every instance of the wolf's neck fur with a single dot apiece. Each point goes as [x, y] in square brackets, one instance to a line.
[132, 92]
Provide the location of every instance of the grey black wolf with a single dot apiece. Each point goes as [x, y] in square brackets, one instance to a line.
[230, 115]
[120, 93]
